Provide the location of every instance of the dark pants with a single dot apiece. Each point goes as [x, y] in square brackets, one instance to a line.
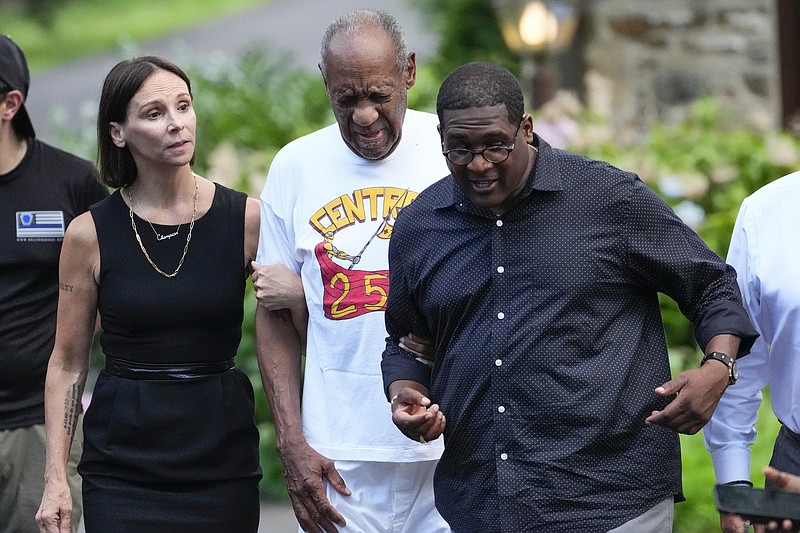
[786, 453]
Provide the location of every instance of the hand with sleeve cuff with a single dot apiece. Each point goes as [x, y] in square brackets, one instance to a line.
[413, 413]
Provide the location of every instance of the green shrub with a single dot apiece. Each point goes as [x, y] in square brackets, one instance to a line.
[468, 31]
[247, 110]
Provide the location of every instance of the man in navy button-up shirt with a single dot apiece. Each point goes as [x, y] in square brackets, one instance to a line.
[536, 272]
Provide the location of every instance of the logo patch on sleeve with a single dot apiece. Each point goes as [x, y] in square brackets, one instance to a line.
[40, 225]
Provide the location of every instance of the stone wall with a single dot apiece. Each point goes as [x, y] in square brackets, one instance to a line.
[645, 60]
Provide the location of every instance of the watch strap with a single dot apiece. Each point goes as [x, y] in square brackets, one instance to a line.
[725, 359]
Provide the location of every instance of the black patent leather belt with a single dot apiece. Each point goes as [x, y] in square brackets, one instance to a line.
[138, 370]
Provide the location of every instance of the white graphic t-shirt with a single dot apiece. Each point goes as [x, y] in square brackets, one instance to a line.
[328, 214]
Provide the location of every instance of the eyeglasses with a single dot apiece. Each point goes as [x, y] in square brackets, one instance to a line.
[492, 154]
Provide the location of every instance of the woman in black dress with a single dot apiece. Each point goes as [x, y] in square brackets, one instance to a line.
[169, 438]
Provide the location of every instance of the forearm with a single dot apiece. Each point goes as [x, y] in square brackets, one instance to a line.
[725, 343]
[725, 319]
[399, 366]
[63, 392]
[299, 319]
[279, 349]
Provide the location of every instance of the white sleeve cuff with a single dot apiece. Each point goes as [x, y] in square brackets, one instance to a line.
[731, 464]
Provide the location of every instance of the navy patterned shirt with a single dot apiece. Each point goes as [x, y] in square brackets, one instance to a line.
[549, 342]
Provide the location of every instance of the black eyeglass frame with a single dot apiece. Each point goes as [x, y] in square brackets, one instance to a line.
[508, 149]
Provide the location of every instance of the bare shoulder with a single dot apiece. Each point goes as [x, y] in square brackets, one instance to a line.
[80, 248]
[81, 232]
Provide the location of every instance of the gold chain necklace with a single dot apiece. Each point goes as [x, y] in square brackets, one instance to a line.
[188, 236]
[159, 236]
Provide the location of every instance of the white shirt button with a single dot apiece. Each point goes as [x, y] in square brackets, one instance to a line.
[498, 362]
[501, 316]
[501, 409]
[501, 269]
[499, 223]
[503, 456]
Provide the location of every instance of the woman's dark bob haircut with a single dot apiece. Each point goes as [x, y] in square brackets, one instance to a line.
[117, 167]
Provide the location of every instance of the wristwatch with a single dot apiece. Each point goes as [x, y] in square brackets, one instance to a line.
[727, 360]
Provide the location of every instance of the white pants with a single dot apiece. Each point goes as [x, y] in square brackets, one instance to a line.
[388, 498]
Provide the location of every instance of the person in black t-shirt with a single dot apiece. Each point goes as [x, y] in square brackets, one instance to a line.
[41, 190]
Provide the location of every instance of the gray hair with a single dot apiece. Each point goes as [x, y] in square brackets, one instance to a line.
[354, 22]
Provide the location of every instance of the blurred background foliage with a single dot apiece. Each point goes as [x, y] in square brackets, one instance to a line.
[248, 108]
[468, 31]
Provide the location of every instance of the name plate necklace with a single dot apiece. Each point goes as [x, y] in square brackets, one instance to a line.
[159, 236]
[167, 236]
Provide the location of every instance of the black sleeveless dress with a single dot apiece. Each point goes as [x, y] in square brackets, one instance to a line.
[171, 455]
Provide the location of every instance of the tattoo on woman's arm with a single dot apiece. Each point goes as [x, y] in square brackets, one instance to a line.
[72, 402]
[66, 288]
